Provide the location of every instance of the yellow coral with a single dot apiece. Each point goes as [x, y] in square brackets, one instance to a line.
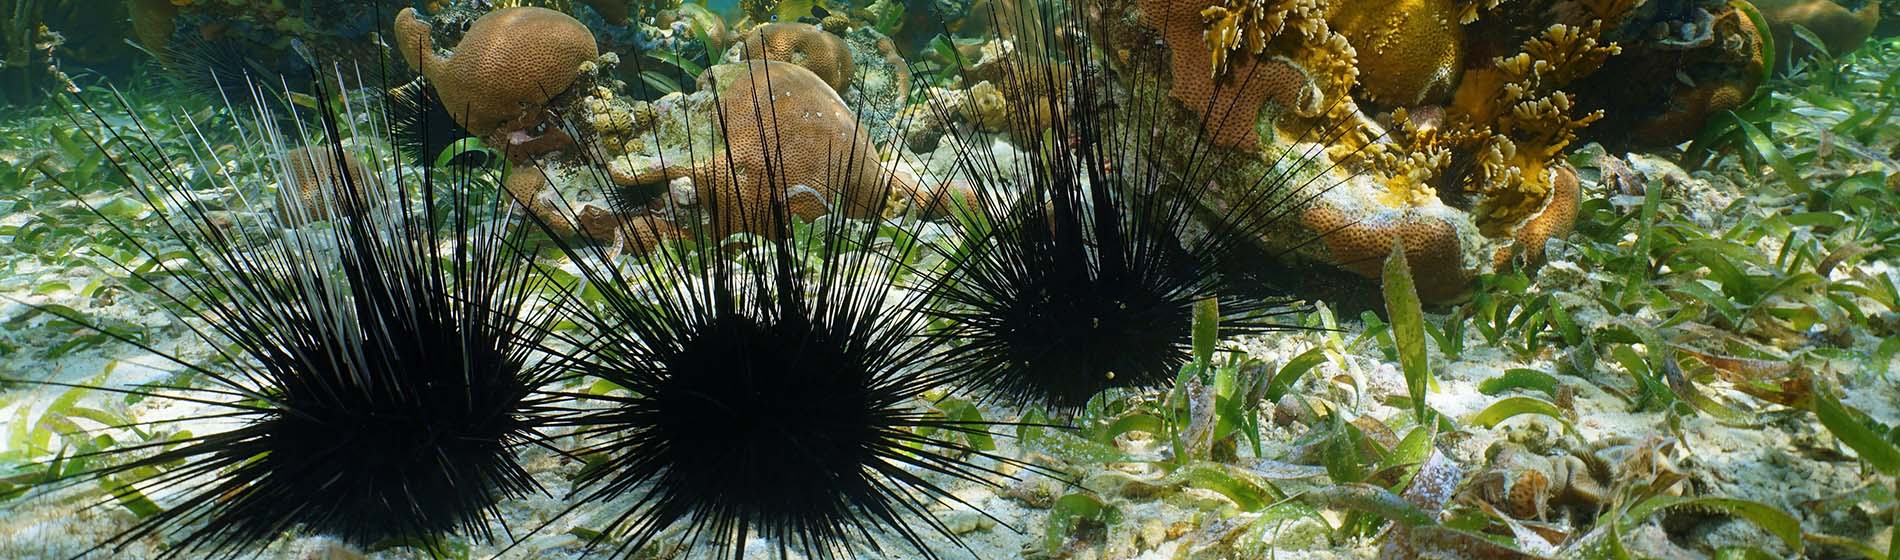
[1410, 51]
[1469, 10]
[992, 109]
[1236, 24]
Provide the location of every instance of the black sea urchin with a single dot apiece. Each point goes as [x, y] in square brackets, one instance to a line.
[1088, 249]
[420, 125]
[379, 369]
[771, 379]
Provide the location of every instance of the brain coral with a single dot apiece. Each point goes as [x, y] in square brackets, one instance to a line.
[802, 44]
[311, 187]
[829, 162]
[510, 63]
[1410, 51]
[1228, 101]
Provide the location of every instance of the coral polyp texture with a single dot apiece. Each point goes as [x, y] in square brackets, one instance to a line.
[766, 108]
[506, 67]
[802, 44]
[1410, 51]
[316, 179]
[1207, 58]
[1455, 117]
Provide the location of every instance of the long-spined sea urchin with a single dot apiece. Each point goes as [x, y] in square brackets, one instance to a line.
[379, 369]
[770, 379]
[1087, 251]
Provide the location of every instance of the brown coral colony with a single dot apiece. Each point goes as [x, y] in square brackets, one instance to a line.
[1449, 120]
[506, 67]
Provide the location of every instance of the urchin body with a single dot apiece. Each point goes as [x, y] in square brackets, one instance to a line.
[774, 422]
[1055, 323]
[380, 364]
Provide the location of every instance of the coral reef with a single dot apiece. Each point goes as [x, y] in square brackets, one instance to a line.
[506, 67]
[1466, 164]
[1410, 51]
[826, 154]
[802, 44]
[1212, 82]
[1661, 90]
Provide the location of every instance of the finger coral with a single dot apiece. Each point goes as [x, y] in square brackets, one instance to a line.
[509, 63]
[803, 44]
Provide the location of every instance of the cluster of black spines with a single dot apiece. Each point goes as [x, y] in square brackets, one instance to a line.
[770, 380]
[1086, 253]
[380, 370]
[768, 385]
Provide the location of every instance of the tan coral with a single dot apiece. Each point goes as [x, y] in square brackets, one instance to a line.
[802, 44]
[509, 63]
[1362, 244]
[528, 186]
[1229, 99]
[1655, 95]
[1556, 220]
[314, 179]
[827, 164]
[1409, 51]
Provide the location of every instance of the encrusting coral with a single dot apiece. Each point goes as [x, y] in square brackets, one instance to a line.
[802, 44]
[507, 67]
[1210, 80]
[1410, 51]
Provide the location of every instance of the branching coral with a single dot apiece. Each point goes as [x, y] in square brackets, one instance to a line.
[509, 64]
[1506, 128]
[803, 44]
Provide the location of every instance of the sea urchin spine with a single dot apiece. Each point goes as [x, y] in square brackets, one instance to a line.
[379, 369]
